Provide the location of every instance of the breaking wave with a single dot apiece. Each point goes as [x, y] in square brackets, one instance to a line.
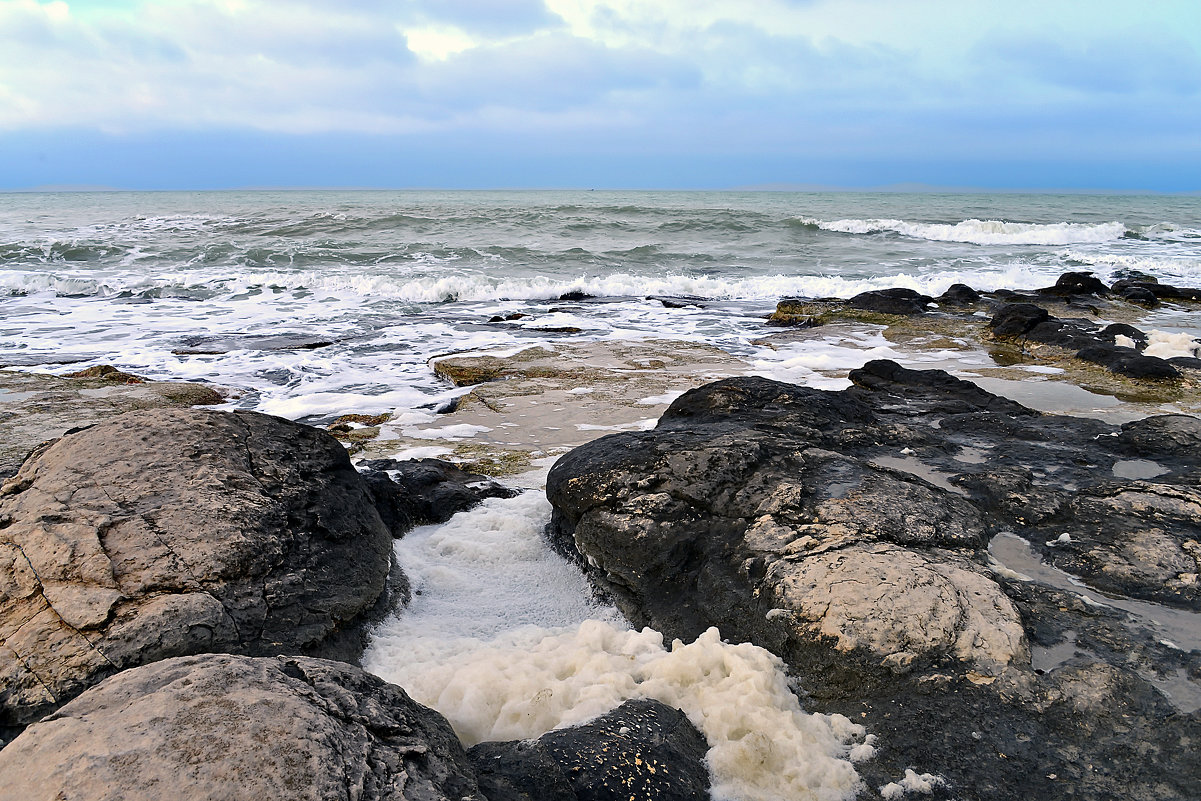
[981, 232]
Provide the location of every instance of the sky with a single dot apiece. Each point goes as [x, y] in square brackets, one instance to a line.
[206, 94]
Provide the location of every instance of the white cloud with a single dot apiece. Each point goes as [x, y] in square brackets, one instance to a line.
[832, 76]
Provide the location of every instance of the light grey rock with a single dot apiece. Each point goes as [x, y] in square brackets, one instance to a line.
[239, 728]
[171, 532]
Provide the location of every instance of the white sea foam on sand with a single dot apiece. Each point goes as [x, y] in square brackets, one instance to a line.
[504, 641]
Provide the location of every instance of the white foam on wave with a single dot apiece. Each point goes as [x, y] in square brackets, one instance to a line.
[1167, 268]
[326, 286]
[504, 641]
[981, 232]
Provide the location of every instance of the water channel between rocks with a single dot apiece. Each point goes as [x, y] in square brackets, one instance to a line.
[1177, 627]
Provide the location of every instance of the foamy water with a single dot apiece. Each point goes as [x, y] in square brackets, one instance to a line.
[502, 638]
[146, 281]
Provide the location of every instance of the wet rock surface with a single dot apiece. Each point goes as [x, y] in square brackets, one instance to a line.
[642, 750]
[169, 532]
[419, 492]
[848, 532]
[237, 727]
[1067, 319]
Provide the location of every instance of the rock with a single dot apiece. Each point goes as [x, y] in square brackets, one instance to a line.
[575, 294]
[1140, 295]
[1110, 333]
[204, 344]
[642, 749]
[891, 301]
[1015, 319]
[1120, 360]
[680, 301]
[237, 727]
[1025, 322]
[1076, 283]
[171, 532]
[1160, 291]
[108, 373]
[424, 491]
[958, 295]
[846, 532]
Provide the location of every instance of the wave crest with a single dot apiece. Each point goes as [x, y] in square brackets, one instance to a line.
[981, 232]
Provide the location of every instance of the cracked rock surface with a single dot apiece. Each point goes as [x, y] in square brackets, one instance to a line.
[170, 532]
[238, 727]
[849, 532]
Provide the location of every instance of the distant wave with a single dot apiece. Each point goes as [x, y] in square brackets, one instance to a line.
[981, 232]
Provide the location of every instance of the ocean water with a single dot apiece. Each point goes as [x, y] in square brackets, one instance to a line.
[313, 304]
[214, 286]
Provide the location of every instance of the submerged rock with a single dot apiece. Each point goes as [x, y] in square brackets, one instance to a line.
[642, 750]
[846, 532]
[237, 727]
[171, 532]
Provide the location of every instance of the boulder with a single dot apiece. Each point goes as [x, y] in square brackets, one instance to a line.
[891, 301]
[643, 749]
[848, 532]
[170, 532]
[1158, 290]
[1076, 283]
[1026, 323]
[958, 295]
[238, 727]
[419, 492]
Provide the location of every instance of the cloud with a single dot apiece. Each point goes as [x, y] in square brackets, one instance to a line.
[1135, 62]
[733, 79]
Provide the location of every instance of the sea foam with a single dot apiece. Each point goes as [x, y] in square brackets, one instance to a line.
[502, 638]
[981, 232]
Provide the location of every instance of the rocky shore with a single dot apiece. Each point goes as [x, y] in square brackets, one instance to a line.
[1007, 600]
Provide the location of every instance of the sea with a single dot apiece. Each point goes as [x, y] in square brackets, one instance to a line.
[310, 304]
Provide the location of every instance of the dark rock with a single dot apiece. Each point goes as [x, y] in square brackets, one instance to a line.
[575, 294]
[1187, 362]
[1024, 322]
[643, 749]
[236, 727]
[204, 344]
[1077, 283]
[958, 295]
[680, 301]
[1160, 291]
[1110, 332]
[419, 492]
[170, 532]
[844, 531]
[1123, 361]
[1140, 295]
[1015, 319]
[508, 318]
[891, 301]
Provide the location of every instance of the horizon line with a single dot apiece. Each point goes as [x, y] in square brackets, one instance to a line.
[802, 188]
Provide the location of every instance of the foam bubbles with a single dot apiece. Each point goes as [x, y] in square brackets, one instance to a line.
[502, 638]
[1167, 345]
